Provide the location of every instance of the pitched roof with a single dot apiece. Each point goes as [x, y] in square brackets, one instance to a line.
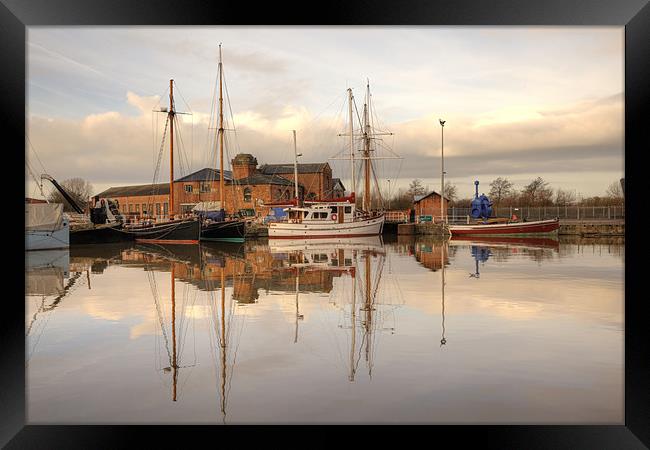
[260, 178]
[271, 169]
[417, 198]
[136, 190]
[336, 181]
[206, 174]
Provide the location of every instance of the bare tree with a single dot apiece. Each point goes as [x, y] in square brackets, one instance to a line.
[79, 189]
[500, 189]
[615, 192]
[416, 188]
[564, 197]
[451, 192]
[537, 193]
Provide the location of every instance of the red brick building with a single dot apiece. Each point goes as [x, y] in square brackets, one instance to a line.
[246, 187]
[429, 205]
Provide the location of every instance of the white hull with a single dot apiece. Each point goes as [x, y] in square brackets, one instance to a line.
[46, 240]
[314, 230]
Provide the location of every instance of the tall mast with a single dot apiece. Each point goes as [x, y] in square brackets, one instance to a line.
[366, 152]
[352, 170]
[295, 168]
[221, 180]
[171, 147]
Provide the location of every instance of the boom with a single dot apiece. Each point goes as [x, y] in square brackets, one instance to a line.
[63, 192]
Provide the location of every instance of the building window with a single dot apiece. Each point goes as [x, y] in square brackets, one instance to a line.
[144, 208]
[165, 208]
[205, 187]
[157, 209]
[137, 208]
[348, 209]
[188, 188]
[130, 207]
[247, 195]
[278, 194]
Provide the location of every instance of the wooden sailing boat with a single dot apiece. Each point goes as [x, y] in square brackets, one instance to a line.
[183, 231]
[222, 230]
[338, 217]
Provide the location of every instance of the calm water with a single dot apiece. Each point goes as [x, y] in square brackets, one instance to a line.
[520, 332]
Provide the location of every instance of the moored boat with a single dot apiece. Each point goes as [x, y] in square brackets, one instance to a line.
[536, 227]
[46, 226]
[173, 232]
[222, 229]
[327, 219]
[338, 217]
[183, 231]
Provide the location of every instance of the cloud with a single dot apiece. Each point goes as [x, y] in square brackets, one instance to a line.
[115, 147]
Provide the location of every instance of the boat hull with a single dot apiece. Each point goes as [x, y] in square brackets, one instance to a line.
[48, 240]
[100, 235]
[179, 232]
[508, 229]
[228, 231]
[286, 230]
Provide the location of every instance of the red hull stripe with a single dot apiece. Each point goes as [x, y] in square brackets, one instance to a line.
[169, 241]
[317, 236]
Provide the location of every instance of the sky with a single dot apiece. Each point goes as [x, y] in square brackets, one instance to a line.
[519, 102]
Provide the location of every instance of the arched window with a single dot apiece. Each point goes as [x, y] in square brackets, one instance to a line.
[247, 195]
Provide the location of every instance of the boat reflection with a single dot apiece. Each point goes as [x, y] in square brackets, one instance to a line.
[502, 248]
[46, 272]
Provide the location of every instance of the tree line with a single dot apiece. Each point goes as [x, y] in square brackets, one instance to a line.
[503, 193]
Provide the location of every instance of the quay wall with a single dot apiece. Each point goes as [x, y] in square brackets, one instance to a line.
[592, 227]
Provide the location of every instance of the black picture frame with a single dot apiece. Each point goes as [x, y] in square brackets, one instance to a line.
[16, 15]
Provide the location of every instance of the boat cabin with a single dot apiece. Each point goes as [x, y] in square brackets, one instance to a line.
[323, 213]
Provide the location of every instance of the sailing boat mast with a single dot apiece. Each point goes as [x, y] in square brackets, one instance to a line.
[366, 152]
[171, 147]
[221, 178]
[352, 180]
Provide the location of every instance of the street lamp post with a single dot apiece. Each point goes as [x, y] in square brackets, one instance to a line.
[442, 169]
[295, 168]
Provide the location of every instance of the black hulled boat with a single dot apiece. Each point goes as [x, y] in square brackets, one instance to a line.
[226, 231]
[173, 232]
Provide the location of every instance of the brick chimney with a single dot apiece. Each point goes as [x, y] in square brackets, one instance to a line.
[243, 166]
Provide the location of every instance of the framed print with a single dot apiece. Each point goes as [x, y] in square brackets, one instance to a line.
[417, 213]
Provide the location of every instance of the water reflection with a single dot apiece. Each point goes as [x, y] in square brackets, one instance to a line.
[352, 311]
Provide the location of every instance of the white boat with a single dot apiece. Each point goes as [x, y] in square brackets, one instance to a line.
[46, 226]
[338, 217]
[326, 220]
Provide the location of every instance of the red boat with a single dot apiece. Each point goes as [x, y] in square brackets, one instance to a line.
[507, 229]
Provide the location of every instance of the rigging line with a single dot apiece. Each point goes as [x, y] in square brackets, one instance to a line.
[35, 153]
